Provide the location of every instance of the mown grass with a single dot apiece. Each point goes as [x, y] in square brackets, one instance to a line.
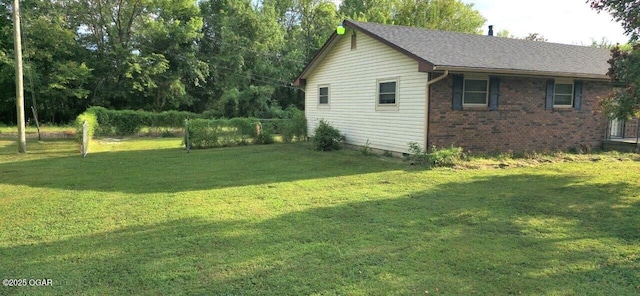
[143, 217]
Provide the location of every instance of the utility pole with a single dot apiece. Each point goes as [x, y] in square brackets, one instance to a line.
[22, 138]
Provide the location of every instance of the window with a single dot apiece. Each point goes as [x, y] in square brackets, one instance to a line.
[387, 93]
[475, 92]
[323, 95]
[563, 94]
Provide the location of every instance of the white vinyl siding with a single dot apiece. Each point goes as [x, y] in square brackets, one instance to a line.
[354, 77]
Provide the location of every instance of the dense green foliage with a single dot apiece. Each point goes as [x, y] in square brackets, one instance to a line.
[228, 58]
[143, 217]
[129, 122]
[449, 15]
[437, 157]
[327, 137]
[211, 133]
[624, 103]
[92, 125]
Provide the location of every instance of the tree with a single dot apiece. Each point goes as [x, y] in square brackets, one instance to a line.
[535, 37]
[56, 81]
[505, 34]
[242, 44]
[626, 12]
[7, 73]
[624, 64]
[602, 43]
[449, 15]
[169, 38]
[143, 51]
[307, 23]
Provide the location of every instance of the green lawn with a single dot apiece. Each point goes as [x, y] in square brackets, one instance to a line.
[144, 217]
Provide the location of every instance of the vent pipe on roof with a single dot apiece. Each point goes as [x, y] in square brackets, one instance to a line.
[490, 30]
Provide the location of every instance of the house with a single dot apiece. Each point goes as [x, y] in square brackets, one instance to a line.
[391, 85]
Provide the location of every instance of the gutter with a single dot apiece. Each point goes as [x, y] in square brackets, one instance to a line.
[427, 107]
[526, 73]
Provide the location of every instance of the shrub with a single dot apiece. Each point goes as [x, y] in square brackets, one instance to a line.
[439, 157]
[417, 155]
[92, 125]
[266, 134]
[294, 129]
[366, 149]
[203, 133]
[207, 133]
[445, 157]
[326, 137]
[129, 122]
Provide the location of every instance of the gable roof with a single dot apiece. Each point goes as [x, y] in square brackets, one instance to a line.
[443, 50]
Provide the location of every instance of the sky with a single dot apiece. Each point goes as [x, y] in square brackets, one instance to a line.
[562, 21]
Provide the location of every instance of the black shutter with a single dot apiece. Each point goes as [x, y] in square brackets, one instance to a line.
[549, 100]
[458, 80]
[577, 95]
[494, 92]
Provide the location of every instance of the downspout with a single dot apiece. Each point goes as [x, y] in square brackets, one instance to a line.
[427, 107]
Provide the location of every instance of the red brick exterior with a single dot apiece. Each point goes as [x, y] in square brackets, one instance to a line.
[521, 123]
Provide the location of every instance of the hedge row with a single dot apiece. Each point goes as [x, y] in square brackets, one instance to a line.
[204, 132]
[129, 122]
[207, 133]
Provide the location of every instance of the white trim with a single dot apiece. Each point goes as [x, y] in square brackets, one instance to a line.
[388, 107]
[464, 87]
[328, 104]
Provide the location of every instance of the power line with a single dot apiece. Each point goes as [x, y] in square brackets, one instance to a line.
[264, 79]
[271, 54]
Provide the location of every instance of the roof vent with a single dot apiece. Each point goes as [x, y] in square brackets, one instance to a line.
[490, 30]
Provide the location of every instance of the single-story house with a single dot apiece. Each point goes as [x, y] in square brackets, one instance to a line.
[391, 85]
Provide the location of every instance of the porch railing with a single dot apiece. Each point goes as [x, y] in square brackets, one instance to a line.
[623, 130]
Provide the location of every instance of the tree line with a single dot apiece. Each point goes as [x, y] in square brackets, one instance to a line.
[230, 57]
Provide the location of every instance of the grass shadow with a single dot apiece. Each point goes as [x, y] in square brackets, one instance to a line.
[499, 235]
[174, 170]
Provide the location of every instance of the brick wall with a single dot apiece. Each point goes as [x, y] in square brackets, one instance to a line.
[521, 123]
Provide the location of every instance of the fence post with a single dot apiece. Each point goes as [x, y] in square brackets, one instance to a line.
[637, 132]
[85, 138]
[186, 135]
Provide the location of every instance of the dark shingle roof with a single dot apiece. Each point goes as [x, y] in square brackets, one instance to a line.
[444, 49]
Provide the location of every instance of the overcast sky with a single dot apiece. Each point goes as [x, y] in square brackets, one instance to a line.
[563, 21]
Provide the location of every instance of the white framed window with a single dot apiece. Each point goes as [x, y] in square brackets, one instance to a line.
[563, 94]
[324, 95]
[475, 92]
[387, 94]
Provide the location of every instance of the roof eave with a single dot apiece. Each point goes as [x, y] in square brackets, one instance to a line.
[423, 66]
[523, 72]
